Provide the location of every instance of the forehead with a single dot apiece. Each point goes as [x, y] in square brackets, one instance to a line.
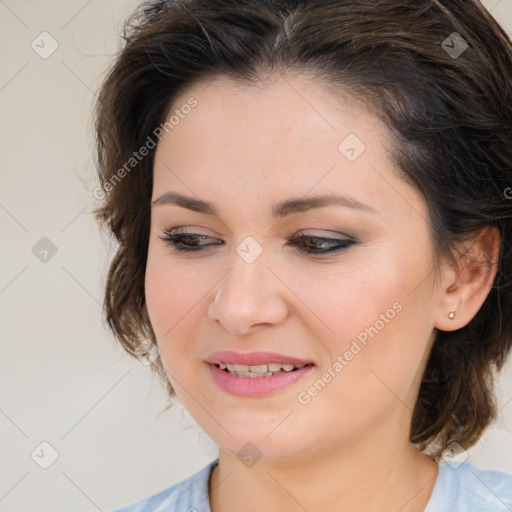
[280, 120]
[285, 135]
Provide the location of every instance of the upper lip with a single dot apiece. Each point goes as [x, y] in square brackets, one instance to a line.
[254, 358]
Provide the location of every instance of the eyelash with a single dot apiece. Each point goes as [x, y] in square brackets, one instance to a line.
[173, 239]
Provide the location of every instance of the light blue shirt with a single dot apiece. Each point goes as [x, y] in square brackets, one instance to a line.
[458, 488]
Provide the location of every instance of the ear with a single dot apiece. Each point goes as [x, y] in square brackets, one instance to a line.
[465, 288]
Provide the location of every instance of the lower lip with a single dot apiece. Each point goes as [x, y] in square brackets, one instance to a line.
[256, 386]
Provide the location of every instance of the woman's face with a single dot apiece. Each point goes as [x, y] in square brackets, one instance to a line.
[360, 318]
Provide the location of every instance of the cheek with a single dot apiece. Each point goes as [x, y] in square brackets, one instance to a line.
[347, 300]
[177, 296]
[160, 297]
[170, 295]
[374, 323]
[167, 305]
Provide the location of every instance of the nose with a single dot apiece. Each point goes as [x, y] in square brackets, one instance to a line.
[248, 298]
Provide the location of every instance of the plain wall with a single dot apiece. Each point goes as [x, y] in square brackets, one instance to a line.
[63, 378]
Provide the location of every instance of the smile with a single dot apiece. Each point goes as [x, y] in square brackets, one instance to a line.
[260, 370]
[257, 380]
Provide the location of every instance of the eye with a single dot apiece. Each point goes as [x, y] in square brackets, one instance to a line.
[183, 241]
[187, 242]
[314, 244]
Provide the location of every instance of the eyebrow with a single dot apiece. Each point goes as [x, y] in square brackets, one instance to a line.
[281, 209]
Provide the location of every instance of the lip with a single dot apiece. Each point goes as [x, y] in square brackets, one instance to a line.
[256, 386]
[254, 358]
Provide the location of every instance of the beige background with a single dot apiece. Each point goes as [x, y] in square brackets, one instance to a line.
[64, 381]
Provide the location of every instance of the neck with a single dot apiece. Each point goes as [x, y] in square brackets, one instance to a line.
[395, 476]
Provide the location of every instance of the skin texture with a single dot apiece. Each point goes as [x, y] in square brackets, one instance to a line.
[244, 148]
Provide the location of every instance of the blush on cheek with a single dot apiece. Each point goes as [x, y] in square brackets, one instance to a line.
[170, 300]
[352, 310]
[161, 302]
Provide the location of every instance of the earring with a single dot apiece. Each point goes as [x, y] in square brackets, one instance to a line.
[452, 314]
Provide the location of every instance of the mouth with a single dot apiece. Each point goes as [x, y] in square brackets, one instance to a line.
[259, 370]
[253, 374]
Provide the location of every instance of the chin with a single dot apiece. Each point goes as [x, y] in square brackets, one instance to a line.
[265, 442]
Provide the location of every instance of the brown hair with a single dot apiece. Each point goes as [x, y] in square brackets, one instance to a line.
[450, 116]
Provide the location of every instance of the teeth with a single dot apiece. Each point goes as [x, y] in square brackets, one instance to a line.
[259, 370]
